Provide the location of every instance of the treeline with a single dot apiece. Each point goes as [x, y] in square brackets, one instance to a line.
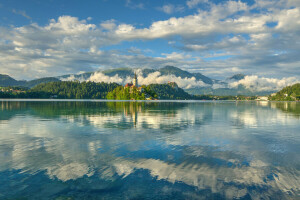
[289, 93]
[76, 90]
[64, 90]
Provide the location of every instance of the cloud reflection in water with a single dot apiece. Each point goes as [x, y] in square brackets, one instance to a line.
[225, 149]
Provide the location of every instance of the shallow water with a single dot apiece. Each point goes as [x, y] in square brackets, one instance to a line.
[149, 150]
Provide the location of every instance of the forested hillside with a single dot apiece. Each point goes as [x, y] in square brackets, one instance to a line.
[165, 91]
[76, 90]
[289, 93]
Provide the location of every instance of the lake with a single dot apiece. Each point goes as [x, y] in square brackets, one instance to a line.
[149, 150]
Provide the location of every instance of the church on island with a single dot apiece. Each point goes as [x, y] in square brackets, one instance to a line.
[134, 84]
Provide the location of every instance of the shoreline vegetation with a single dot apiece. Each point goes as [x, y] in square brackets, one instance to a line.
[114, 91]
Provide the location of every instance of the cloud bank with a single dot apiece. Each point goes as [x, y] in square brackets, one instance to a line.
[256, 83]
[253, 82]
[152, 78]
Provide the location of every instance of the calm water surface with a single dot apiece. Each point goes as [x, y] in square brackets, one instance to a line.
[149, 150]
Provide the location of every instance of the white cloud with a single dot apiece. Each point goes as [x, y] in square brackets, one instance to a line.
[193, 3]
[152, 78]
[20, 12]
[184, 83]
[133, 5]
[100, 77]
[170, 8]
[264, 84]
[109, 24]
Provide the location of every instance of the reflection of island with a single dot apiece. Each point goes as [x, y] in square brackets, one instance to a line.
[223, 150]
[123, 115]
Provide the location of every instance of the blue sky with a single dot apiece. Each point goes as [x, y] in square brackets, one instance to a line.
[217, 38]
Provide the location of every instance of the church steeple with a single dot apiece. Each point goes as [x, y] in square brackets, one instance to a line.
[135, 81]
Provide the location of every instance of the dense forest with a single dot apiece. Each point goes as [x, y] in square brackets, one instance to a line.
[289, 93]
[76, 90]
[62, 90]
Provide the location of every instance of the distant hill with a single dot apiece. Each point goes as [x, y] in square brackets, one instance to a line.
[184, 74]
[83, 76]
[35, 82]
[74, 90]
[6, 81]
[289, 93]
[125, 72]
[237, 77]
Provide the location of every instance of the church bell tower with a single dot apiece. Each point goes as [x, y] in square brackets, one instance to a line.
[135, 81]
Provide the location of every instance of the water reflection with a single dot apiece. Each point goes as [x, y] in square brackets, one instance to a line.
[214, 150]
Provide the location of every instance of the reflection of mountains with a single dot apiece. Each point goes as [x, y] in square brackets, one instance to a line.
[225, 150]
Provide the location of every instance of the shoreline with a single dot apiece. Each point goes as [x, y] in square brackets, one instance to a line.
[113, 100]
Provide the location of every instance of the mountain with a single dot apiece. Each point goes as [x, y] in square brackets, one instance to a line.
[82, 76]
[6, 81]
[237, 77]
[125, 72]
[35, 82]
[184, 74]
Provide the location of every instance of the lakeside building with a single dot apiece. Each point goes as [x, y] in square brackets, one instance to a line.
[262, 98]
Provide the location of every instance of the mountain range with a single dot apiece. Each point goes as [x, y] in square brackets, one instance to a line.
[6, 80]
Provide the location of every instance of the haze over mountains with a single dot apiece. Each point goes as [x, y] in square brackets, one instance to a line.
[193, 83]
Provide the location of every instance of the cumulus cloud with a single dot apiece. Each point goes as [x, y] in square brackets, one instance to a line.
[152, 78]
[253, 82]
[100, 77]
[256, 83]
[184, 83]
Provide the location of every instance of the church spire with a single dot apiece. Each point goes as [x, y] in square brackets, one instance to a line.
[135, 81]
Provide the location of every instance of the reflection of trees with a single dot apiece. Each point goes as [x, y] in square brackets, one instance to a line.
[108, 114]
[288, 107]
[74, 108]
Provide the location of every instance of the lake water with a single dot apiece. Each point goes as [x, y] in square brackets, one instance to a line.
[149, 150]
